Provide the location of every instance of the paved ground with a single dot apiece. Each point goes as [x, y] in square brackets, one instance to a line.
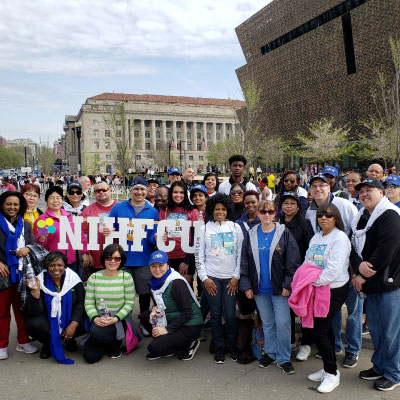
[26, 376]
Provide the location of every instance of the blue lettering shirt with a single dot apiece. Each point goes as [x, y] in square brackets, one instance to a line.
[264, 244]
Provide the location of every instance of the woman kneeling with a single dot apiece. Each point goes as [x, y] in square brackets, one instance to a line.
[175, 321]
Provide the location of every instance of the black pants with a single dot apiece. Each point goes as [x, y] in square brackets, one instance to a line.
[323, 332]
[171, 343]
[39, 328]
[101, 340]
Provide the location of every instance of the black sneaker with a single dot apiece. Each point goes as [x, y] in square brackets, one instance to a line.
[45, 352]
[152, 358]
[350, 360]
[233, 353]
[385, 385]
[266, 361]
[287, 368]
[369, 375]
[189, 353]
[117, 353]
[219, 355]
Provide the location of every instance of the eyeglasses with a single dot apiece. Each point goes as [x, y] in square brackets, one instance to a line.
[391, 186]
[290, 181]
[53, 198]
[264, 212]
[104, 190]
[326, 214]
[72, 192]
[236, 191]
[160, 196]
[115, 259]
[32, 195]
[319, 186]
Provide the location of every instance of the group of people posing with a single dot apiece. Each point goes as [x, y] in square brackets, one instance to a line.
[299, 254]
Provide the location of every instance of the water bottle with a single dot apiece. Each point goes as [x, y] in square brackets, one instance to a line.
[200, 216]
[103, 310]
[31, 278]
[155, 321]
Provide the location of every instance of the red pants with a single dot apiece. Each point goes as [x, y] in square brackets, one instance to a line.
[9, 297]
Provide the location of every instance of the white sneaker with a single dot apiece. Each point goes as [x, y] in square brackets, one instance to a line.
[303, 353]
[317, 376]
[329, 382]
[27, 348]
[3, 354]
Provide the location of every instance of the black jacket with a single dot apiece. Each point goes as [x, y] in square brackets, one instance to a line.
[285, 260]
[382, 250]
[302, 231]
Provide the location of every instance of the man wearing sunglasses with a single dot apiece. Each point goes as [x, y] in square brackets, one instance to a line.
[237, 165]
[100, 208]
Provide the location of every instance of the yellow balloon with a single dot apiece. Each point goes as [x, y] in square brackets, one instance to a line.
[49, 221]
[41, 224]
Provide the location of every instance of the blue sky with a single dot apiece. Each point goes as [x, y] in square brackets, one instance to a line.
[57, 53]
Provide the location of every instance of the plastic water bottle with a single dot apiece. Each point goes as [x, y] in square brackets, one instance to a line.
[103, 310]
[31, 278]
[155, 320]
[200, 216]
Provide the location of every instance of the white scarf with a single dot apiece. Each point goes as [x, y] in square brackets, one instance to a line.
[157, 294]
[20, 242]
[358, 237]
[71, 279]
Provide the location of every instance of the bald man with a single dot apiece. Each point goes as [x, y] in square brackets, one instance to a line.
[375, 171]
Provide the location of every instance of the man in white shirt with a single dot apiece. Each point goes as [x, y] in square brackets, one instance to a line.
[85, 183]
[237, 165]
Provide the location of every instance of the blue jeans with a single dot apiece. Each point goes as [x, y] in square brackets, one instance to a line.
[275, 317]
[383, 316]
[224, 303]
[353, 325]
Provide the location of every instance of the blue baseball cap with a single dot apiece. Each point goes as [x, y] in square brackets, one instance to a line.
[331, 171]
[139, 182]
[174, 170]
[393, 179]
[319, 176]
[158, 257]
[200, 188]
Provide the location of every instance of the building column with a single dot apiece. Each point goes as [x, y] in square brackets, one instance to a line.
[204, 136]
[194, 136]
[164, 132]
[153, 134]
[184, 135]
[142, 139]
[223, 132]
[174, 132]
[214, 132]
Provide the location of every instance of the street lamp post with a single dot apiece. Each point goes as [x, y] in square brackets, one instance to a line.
[78, 126]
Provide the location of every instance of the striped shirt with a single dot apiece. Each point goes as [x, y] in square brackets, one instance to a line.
[118, 293]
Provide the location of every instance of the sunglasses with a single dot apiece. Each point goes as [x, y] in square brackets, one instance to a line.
[160, 196]
[115, 259]
[391, 186]
[264, 212]
[105, 190]
[236, 191]
[326, 214]
[290, 180]
[72, 192]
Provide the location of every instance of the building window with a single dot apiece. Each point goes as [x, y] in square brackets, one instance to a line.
[107, 133]
[208, 136]
[169, 124]
[219, 126]
[108, 157]
[158, 146]
[107, 122]
[199, 125]
[158, 134]
[119, 133]
[118, 122]
[136, 134]
[201, 158]
[169, 135]
[105, 103]
[147, 124]
[227, 136]
[189, 146]
[107, 145]
[179, 124]
[218, 136]
[148, 146]
[95, 122]
[96, 133]
[189, 135]
[190, 158]
[138, 157]
[147, 134]
[198, 146]
[198, 135]
[228, 127]
[178, 135]
[189, 125]
[96, 145]
[158, 124]
[209, 126]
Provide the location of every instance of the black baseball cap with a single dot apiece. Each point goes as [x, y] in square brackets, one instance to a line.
[370, 182]
[292, 195]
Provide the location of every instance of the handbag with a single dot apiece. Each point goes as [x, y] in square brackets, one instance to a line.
[5, 282]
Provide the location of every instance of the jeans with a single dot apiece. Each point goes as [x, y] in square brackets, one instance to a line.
[383, 316]
[224, 303]
[353, 326]
[275, 316]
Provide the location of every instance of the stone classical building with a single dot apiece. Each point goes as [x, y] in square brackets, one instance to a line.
[317, 58]
[163, 129]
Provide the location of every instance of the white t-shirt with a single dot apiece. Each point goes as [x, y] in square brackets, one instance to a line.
[225, 187]
[331, 253]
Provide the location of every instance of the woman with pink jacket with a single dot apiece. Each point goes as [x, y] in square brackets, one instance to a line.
[48, 236]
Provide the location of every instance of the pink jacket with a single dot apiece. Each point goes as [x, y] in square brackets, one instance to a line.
[308, 301]
[51, 242]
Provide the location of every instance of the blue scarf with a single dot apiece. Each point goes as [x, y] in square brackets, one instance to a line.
[12, 245]
[157, 283]
[55, 339]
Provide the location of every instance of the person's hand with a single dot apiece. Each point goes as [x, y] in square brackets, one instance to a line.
[366, 270]
[87, 260]
[210, 286]
[37, 284]
[24, 251]
[69, 331]
[285, 292]
[165, 236]
[357, 283]
[102, 321]
[183, 268]
[158, 331]
[249, 294]
[4, 272]
[107, 231]
[233, 286]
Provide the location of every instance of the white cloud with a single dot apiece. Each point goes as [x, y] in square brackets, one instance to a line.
[101, 37]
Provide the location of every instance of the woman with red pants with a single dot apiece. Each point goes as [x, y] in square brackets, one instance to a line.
[15, 234]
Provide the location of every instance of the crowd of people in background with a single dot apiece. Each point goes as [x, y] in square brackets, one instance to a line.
[273, 247]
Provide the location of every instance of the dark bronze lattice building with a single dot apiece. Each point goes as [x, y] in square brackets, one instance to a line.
[317, 58]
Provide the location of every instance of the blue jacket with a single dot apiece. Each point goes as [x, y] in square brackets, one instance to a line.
[245, 224]
[126, 210]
